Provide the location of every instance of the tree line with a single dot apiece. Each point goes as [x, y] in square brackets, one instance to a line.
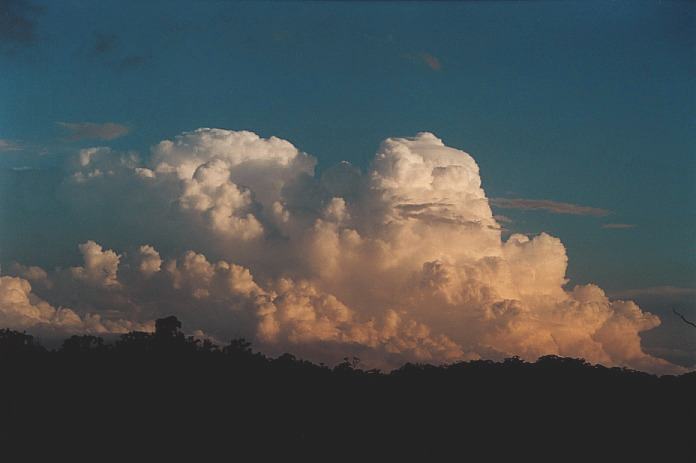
[169, 395]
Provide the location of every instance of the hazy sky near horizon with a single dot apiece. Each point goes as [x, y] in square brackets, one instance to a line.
[580, 115]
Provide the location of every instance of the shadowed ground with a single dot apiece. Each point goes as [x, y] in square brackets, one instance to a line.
[165, 395]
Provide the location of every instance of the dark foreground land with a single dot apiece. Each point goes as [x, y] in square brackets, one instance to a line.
[154, 397]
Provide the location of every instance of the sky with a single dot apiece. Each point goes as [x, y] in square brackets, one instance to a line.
[579, 117]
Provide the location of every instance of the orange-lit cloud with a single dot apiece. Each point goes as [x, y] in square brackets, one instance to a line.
[425, 59]
[20, 308]
[402, 262]
[431, 61]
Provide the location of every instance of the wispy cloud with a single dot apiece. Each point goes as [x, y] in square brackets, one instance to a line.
[427, 59]
[17, 24]
[107, 47]
[502, 218]
[104, 43]
[618, 226]
[9, 145]
[91, 130]
[656, 291]
[555, 207]
[431, 61]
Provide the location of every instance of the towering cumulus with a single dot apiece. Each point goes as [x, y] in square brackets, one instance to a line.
[403, 262]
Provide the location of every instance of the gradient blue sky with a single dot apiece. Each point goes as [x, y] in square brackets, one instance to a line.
[589, 103]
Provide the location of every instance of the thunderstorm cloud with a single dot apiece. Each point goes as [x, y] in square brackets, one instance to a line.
[238, 236]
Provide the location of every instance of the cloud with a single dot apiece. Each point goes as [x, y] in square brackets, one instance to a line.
[618, 226]
[17, 24]
[431, 61]
[150, 261]
[658, 291]
[9, 145]
[94, 131]
[555, 207]
[106, 47]
[100, 266]
[425, 59]
[20, 308]
[34, 274]
[404, 262]
[678, 356]
[104, 43]
[673, 339]
[502, 218]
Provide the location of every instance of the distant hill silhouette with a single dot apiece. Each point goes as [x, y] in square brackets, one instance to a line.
[164, 395]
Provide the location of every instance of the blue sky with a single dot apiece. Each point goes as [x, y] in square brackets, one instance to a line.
[588, 103]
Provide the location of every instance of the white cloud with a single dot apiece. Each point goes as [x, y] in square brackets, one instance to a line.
[20, 308]
[404, 262]
[100, 265]
[150, 261]
[34, 274]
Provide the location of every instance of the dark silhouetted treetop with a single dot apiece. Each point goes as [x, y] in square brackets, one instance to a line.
[168, 327]
[16, 343]
[82, 343]
[168, 393]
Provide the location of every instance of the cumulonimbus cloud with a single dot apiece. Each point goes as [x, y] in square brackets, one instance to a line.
[402, 262]
[555, 207]
[93, 131]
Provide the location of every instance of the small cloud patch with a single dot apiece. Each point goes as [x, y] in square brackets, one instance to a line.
[427, 59]
[9, 145]
[93, 131]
